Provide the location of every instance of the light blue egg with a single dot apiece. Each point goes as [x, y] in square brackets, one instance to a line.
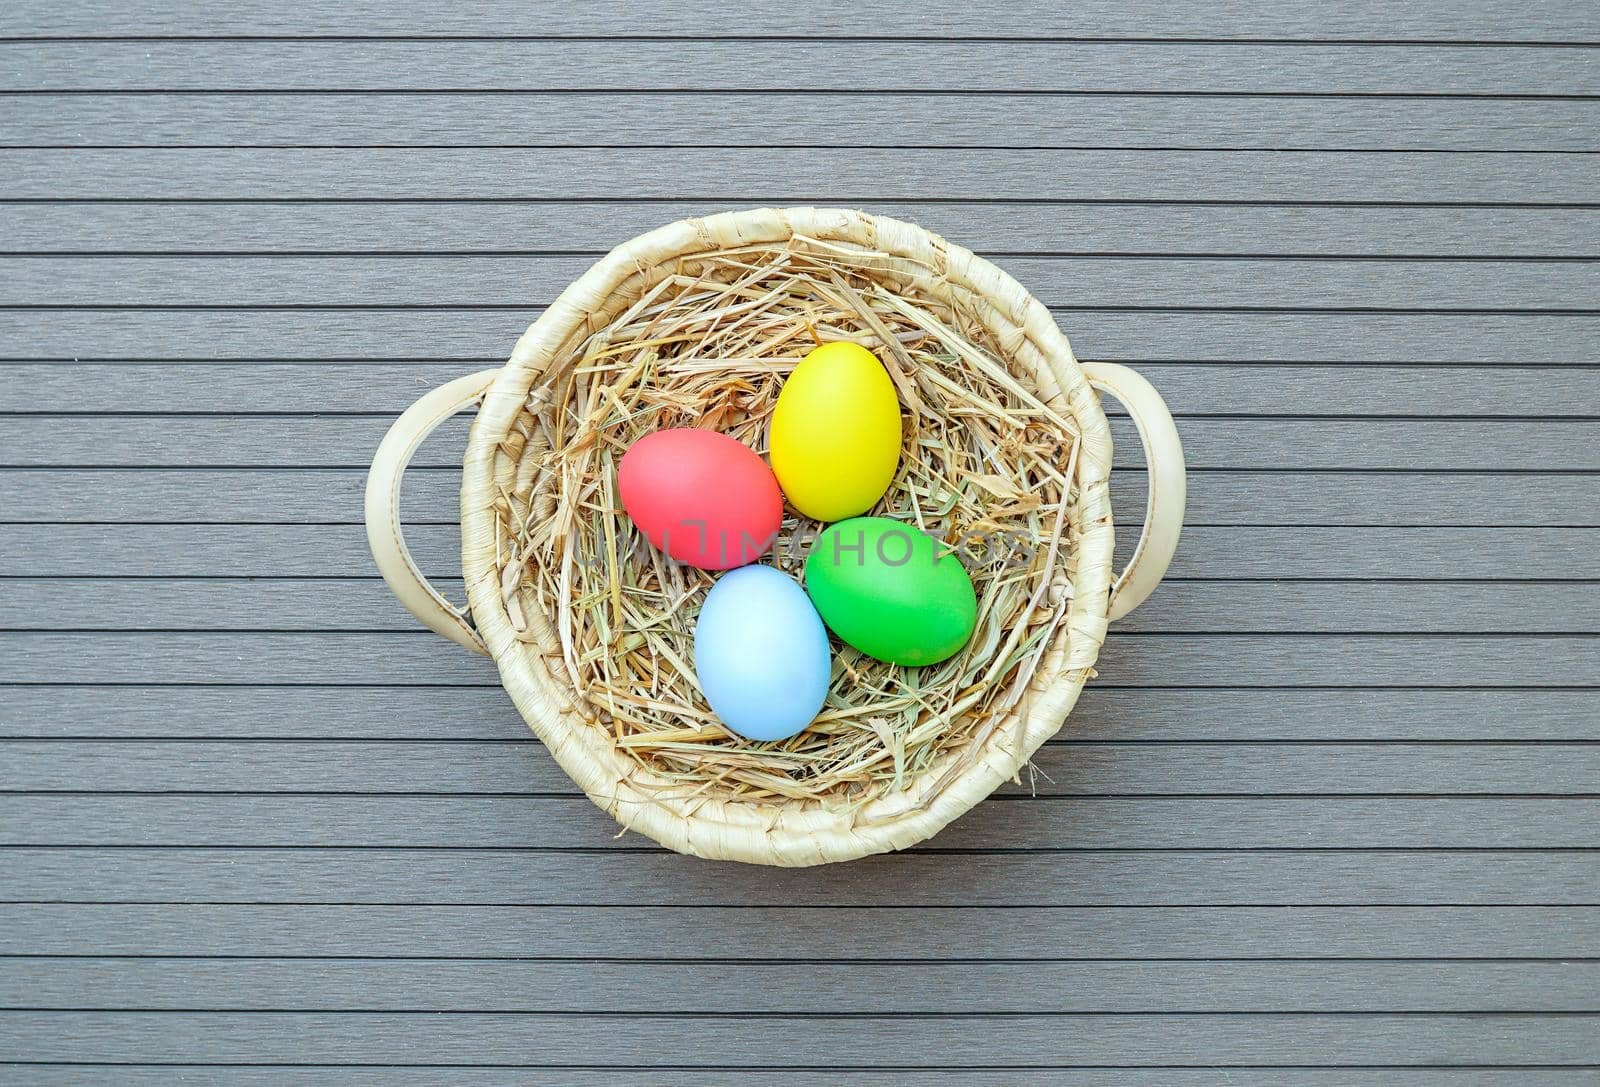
[761, 653]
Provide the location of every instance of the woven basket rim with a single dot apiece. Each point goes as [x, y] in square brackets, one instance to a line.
[745, 830]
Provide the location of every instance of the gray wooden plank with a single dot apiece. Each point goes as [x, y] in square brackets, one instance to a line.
[600, 878]
[1040, 824]
[760, 988]
[672, 118]
[432, 496]
[646, 65]
[918, 1041]
[790, 175]
[1361, 607]
[520, 228]
[1017, 228]
[1551, 392]
[1183, 607]
[522, 767]
[887, 933]
[389, 1075]
[1357, 20]
[1254, 443]
[1210, 714]
[1070, 281]
[1281, 660]
[1517, 554]
[484, 337]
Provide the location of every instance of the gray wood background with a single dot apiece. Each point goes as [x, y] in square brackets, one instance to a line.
[1329, 816]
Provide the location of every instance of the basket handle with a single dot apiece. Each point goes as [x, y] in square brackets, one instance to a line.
[1163, 455]
[384, 536]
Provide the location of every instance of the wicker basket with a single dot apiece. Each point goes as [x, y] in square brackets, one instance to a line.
[520, 624]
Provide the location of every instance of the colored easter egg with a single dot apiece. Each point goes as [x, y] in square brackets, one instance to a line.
[761, 653]
[835, 439]
[701, 497]
[881, 586]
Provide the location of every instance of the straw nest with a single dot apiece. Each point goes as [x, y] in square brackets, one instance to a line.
[987, 467]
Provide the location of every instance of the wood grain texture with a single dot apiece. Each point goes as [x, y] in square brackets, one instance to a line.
[484, 337]
[796, 64]
[271, 550]
[325, 388]
[1108, 282]
[391, 1075]
[747, 988]
[1563, 1039]
[616, 878]
[1184, 607]
[1127, 659]
[794, 175]
[1358, 20]
[889, 933]
[532, 225]
[519, 766]
[1038, 823]
[671, 118]
[151, 496]
[160, 441]
[269, 710]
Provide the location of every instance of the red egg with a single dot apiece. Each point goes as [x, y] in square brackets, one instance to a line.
[701, 497]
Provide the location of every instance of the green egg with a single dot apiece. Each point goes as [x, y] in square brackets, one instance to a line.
[881, 586]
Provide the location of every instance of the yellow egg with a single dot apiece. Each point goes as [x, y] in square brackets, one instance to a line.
[836, 433]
